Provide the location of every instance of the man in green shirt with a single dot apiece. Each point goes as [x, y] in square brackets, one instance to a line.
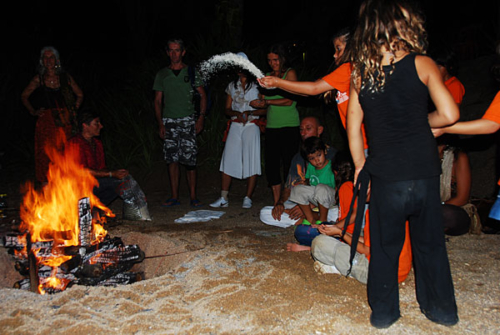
[177, 119]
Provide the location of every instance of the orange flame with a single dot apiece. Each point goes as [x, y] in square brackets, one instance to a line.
[51, 214]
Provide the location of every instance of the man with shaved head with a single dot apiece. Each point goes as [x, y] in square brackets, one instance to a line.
[285, 213]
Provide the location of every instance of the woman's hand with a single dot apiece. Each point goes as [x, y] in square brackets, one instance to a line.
[243, 117]
[269, 82]
[39, 112]
[437, 132]
[330, 230]
[258, 103]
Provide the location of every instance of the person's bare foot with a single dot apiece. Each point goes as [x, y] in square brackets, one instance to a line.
[296, 247]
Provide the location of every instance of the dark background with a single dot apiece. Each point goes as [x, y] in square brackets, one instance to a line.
[101, 43]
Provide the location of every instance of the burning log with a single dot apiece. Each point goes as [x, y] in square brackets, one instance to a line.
[84, 222]
[64, 244]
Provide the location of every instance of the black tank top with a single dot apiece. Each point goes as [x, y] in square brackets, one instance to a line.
[401, 143]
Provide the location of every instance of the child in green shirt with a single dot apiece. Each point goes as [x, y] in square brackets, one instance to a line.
[319, 187]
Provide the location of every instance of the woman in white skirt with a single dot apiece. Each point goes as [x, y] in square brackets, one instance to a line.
[241, 156]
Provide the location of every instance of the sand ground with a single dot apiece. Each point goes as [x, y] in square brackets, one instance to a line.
[234, 276]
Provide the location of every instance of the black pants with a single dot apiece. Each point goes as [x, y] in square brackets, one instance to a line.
[391, 205]
[280, 146]
[108, 189]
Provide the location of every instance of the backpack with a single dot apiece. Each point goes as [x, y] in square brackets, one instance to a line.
[196, 94]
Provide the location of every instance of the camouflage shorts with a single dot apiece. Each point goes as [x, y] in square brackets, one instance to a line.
[180, 141]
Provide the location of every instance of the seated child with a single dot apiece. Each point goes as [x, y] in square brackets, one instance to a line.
[318, 191]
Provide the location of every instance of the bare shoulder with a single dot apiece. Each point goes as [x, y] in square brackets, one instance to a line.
[426, 68]
[291, 74]
[425, 63]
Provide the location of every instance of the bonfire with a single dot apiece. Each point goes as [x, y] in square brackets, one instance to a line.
[63, 240]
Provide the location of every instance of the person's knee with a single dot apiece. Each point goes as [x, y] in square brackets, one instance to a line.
[324, 195]
[319, 247]
[300, 194]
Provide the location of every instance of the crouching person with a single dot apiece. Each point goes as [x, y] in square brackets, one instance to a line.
[112, 184]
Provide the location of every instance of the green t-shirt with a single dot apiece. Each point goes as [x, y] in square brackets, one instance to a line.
[282, 116]
[323, 176]
[177, 92]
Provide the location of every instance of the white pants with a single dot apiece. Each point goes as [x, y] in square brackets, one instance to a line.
[266, 215]
[241, 157]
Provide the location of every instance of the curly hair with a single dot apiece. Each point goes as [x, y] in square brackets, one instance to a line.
[393, 24]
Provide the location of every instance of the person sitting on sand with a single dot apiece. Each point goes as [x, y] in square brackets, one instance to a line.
[285, 213]
[331, 255]
[112, 183]
[318, 190]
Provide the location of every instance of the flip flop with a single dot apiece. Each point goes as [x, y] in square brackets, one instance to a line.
[170, 202]
[196, 203]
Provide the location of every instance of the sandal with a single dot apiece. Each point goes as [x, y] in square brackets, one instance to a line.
[170, 202]
[196, 203]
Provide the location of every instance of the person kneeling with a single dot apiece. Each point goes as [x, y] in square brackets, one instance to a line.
[112, 184]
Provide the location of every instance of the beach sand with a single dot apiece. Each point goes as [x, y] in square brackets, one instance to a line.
[233, 275]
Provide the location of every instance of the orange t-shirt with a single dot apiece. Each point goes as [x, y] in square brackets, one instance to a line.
[493, 112]
[456, 89]
[346, 191]
[340, 79]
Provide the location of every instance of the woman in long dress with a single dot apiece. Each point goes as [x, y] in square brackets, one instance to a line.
[58, 97]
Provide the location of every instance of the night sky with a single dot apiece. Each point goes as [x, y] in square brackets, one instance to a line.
[108, 36]
[139, 28]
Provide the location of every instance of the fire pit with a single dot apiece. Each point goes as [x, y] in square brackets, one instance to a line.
[63, 240]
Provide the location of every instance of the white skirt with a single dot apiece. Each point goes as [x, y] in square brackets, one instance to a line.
[241, 156]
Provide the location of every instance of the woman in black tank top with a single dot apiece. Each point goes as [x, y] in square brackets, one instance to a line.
[391, 82]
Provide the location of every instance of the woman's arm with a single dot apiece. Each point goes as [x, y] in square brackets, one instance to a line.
[463, 180]
[446, 112]
[32, 86]
[297, 87]
[290, 76]
[355, 116]
[78, 92]
[474, 127]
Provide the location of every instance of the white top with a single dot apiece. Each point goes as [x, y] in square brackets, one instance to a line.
[241, 98]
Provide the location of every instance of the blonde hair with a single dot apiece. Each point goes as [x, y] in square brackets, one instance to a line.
[393, 24]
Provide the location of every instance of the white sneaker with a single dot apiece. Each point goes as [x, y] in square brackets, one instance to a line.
[221, 202]
[247, 202]
[324, 269]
